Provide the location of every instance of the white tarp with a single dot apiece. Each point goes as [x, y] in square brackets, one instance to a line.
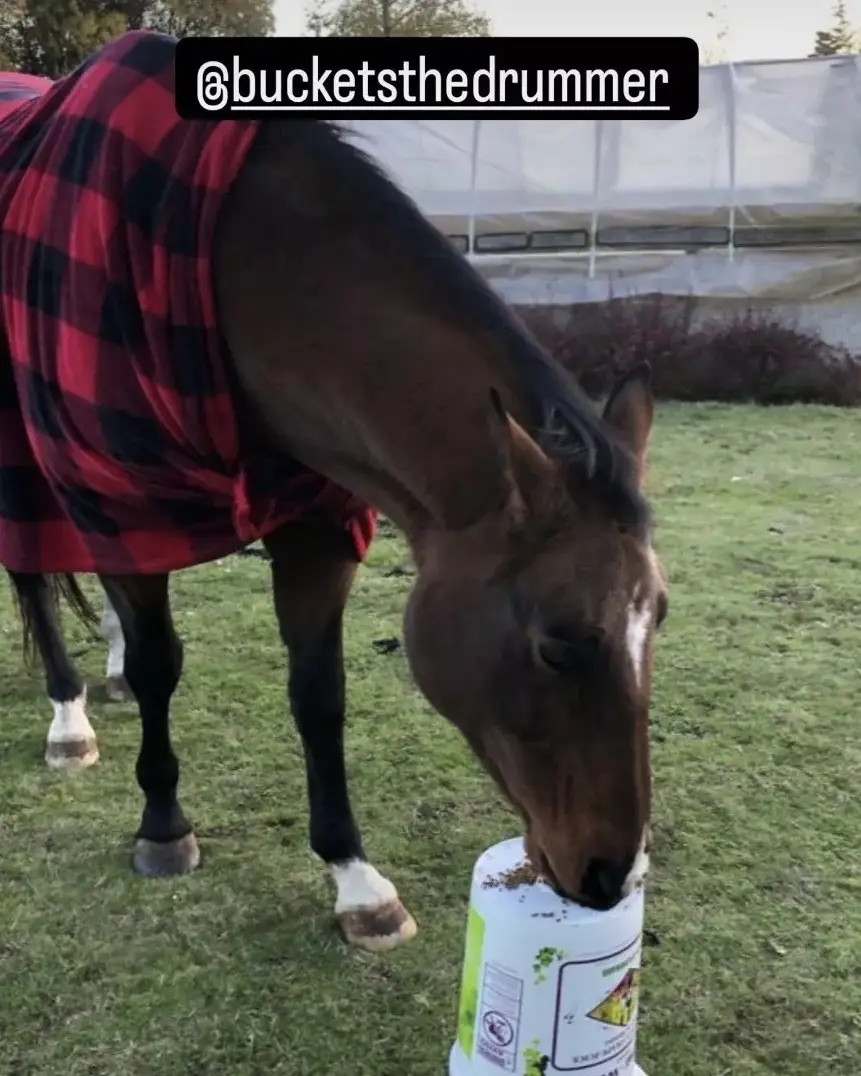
[783, 276]
[776, 147]
[771, 139]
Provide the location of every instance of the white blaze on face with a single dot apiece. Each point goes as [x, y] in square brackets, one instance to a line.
[637, 635]
[640, 617]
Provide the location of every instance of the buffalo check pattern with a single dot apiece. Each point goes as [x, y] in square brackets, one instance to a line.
[119, 447]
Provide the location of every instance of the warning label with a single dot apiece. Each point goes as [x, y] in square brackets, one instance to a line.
[499, 1017]
[620, 1006]
[595, 1025]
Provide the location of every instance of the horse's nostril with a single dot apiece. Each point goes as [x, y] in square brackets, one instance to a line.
[603, 883]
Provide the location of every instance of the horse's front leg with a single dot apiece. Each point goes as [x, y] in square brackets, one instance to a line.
[313, 567]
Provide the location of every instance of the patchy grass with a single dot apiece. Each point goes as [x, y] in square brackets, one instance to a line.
[756, 893]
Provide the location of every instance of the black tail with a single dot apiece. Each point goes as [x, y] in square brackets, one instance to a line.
[66, 586]
[32, 591]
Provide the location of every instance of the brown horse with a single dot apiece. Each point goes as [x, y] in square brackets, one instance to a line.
[364, 345]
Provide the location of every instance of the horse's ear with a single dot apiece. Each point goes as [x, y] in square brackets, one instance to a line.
[630, 411]
[526, 467]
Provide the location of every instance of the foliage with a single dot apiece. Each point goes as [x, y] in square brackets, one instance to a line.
[840, 38]
[754, 356]
[396, 18]
[219, 18]
[50, 37]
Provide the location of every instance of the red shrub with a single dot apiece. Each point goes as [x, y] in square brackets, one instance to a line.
[754, 356]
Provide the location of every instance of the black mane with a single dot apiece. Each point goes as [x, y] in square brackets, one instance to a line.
[564, 419]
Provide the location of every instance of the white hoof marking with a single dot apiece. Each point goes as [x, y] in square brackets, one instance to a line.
[71, 744]
[361, 886]
[112, 632]
[71, 724]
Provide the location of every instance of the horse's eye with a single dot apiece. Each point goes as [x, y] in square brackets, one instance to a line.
[662, 610]
[570, 652]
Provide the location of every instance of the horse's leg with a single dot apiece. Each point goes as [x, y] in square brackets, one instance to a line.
[153, 665]
[71, 743]
[116, 688]
[313, 566]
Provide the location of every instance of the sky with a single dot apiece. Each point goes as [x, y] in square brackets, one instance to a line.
[758, 29]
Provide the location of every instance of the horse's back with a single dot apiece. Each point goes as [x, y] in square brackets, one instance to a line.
[121, 451]
[108, 324]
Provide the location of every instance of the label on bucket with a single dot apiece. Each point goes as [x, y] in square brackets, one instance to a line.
[499, 1017]
[596, 1014]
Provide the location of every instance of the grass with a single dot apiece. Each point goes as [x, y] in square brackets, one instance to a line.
[756, 891]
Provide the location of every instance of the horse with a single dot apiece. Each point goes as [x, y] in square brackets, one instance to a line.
[361, 351]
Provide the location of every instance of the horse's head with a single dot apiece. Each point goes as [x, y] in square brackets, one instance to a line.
[532, 632]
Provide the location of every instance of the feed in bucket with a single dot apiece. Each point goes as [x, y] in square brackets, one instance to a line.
[548, 986]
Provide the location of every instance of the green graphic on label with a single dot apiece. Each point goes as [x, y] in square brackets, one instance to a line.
[536, 1062]
[544, 960]
[468, 1012]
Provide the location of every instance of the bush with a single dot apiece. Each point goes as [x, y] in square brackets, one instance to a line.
[753, 357]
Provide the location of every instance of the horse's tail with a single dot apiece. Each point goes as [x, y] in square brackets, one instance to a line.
[37, 595]
[66, 586]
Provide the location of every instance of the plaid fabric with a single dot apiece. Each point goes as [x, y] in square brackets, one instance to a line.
[119, 449]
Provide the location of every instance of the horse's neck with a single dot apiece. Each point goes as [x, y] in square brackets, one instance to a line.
[361, 381]
[403, 422]
[407, 429]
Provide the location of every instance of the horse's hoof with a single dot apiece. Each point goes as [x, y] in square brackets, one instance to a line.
[378, 930]
[118, 690]
[71, 756]
[154, 859]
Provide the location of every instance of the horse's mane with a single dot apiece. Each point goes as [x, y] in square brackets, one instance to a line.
[564, 420]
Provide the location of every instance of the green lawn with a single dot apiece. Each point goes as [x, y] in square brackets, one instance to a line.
[756, 889]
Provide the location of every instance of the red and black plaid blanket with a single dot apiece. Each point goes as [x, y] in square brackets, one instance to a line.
[119, 449]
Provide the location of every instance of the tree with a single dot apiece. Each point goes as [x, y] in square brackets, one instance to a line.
[219, 18]
[10, 16]
[50, 37]
[840, 39]
[396, 18]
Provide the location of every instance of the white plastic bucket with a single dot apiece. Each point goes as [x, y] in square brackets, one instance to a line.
[548, 986]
